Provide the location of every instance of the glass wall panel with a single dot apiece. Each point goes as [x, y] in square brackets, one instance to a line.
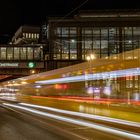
[37, 53]
[128, 38]
[56, 56]
[3, 53]
[66, 46]
[113, 44]
[29, 53]
[73, 31]
[16, 53]
[91, 42]
[65, 32]
[23, 53]
[88, 31]
[88, 44]
[32, 36]
[73, 49]
[10, 53]
[83, 44]
[65, 56]
[57, 50]
[96, 42]
[104, 42]
[136, 37]
[37, 35]
[65, 49]
[58, 31]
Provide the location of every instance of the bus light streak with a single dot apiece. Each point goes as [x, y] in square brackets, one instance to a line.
[79, 114]
[78, 122]
[97, 76]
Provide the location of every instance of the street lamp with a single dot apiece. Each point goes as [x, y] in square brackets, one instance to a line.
[90, 57]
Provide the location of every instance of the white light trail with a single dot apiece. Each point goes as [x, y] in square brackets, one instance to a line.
[97, 76]
[84, 115]
[78, 122]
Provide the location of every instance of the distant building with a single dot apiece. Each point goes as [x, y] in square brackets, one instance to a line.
[26, 35]
[15, 59]
[24, 55]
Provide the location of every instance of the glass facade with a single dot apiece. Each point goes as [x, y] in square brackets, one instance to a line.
[102, 41]
[20, 53]
[65, 45]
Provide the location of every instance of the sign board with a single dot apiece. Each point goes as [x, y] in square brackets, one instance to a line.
[31, 65]
[9, 65]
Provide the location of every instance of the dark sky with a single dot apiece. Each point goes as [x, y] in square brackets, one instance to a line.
[14, 13]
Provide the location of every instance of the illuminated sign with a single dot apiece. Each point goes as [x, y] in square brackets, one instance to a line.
[22, 65]
[31, 65]
[9, 64]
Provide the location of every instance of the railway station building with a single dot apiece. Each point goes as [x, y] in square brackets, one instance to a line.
[102, 33]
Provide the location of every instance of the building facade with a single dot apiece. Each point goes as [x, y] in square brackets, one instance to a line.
[102, 33]
[15, 59]
[24, 54]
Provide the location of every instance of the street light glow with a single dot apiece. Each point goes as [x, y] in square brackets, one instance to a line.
[90, 57]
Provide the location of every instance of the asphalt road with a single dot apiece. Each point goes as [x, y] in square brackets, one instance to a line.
[14, 126]
[17, 124]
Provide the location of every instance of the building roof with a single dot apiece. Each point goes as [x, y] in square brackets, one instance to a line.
[99, 18]
[109, 13]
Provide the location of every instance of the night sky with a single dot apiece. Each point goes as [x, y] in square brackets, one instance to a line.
[14, 13]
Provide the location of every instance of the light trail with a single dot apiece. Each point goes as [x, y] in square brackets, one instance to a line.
[78, 122]
[97, 76]
[84, 115]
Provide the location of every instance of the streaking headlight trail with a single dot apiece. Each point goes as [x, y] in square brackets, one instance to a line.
[79, 122]
[97, 76]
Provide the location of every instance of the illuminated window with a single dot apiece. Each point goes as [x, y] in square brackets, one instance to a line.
[26, 35]
[37, 53]
[65, 56]
[37, 35]
[16, 53]
[58, 31]
[73, 49]
[56, 56]
[29, 53]
[23, 34]
[65, 32]
[9, 53]
[29, 35]
[23, 53]
[73, 56]
[32, 35]
[3, 53]
[73, 31]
